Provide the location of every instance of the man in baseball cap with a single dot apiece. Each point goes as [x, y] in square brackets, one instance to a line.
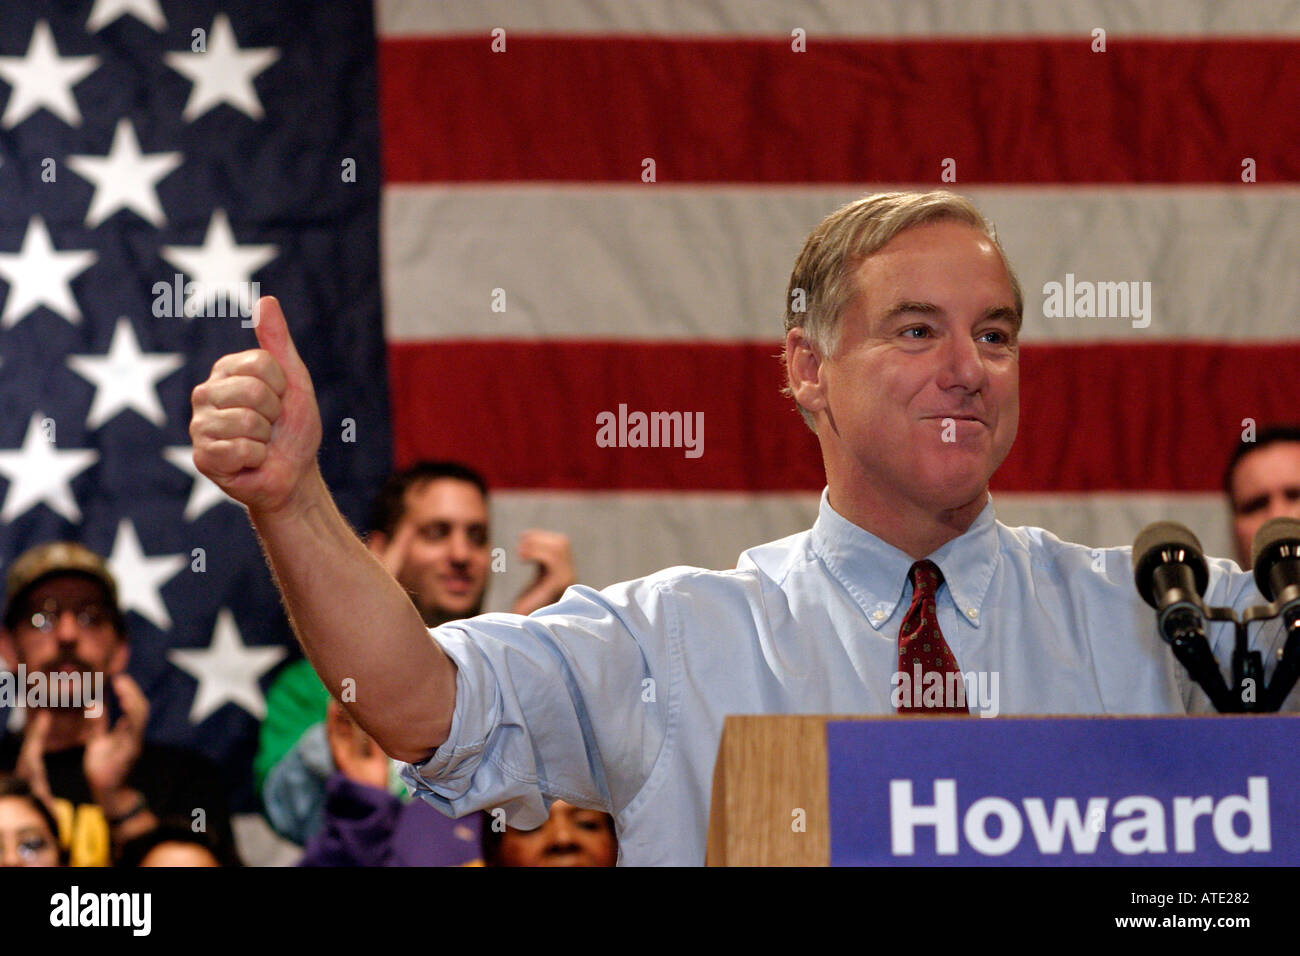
[64, 634]
[57, 558]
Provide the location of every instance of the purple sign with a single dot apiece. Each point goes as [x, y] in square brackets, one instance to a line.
[1065, 791]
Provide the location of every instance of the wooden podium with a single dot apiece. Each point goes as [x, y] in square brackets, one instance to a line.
[770, 767]
[777, 777]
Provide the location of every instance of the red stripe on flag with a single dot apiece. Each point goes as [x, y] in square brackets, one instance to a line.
[584, 109]
[1155, 417]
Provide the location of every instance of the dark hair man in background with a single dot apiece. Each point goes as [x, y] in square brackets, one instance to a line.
[1262, 481]
[430, 529]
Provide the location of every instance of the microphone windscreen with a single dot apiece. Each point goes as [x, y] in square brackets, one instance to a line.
[1277, 540]
[1272, 531]
[1152, 543]
[1160, 533]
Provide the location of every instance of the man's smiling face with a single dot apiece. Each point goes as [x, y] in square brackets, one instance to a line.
[922, 391]
[1265, 484]
[446, 569]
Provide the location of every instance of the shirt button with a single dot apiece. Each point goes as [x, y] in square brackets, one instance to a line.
[877, 615]
[972, 613]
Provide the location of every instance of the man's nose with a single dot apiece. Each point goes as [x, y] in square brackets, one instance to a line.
[963, 366]
[460, 547]
[561, 832]
[66, 628]
[9, 856]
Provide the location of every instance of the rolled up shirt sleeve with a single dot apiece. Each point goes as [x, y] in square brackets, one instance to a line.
[570, 703]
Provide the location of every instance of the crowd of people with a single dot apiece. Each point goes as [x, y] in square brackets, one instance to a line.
[87, 788]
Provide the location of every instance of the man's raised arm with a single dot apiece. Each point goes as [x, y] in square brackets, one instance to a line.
[256, 430]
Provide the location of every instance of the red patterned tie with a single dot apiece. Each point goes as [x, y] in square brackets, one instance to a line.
[922, 650]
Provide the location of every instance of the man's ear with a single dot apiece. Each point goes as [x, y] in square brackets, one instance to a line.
[377, 541]
[803, 366]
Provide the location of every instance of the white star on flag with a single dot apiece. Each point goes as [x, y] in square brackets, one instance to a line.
[38, 275]
[125, 178]
[223, 73]
[106, 11]
[205, 492]
[125, 377]
[43, 78]
[140, 578]
[40, 472]
[228, 671]
[220, 269]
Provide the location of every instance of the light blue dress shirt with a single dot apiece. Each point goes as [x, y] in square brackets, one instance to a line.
[615, 699]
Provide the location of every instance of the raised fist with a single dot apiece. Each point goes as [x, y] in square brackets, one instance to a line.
[256, 426]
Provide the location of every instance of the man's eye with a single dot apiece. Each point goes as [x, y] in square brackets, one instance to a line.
[923, 332]
[32, 846]
[92, 617]
[999, 338]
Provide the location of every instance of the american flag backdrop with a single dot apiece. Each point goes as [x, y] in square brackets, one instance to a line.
[155, 153]
[590, 205]
[1153, 142]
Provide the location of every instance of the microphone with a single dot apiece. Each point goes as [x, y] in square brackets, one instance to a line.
[1276, 557]
[1170, 569]
[1171, 575]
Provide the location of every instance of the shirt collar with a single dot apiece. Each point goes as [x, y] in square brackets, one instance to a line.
[875, 572]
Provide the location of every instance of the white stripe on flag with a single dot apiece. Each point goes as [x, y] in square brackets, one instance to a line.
[616, 537]
[843, 18]
[712, 262]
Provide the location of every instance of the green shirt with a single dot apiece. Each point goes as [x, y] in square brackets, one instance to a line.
[296, 701]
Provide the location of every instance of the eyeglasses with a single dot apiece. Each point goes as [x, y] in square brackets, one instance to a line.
[43, 619]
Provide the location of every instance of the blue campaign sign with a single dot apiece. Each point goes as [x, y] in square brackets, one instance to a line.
[1097, 791]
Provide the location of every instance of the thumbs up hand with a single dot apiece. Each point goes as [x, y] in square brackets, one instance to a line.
[256, 426]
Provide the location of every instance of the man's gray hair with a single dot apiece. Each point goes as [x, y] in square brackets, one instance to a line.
[822, 280]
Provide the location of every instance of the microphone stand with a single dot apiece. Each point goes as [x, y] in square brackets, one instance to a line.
[1171, 575]
[1288, 668]
[1183, 628]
